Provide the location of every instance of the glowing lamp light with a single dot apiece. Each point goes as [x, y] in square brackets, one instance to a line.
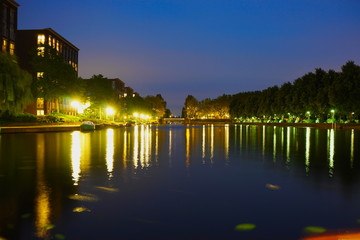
[136, 114]
[110, 111]
[80, 108]
[75, 104]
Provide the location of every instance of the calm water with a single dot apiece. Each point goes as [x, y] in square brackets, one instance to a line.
[196, 182]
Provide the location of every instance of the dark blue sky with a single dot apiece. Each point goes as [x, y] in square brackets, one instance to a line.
[203, 48]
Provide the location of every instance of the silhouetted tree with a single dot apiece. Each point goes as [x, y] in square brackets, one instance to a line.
[15, 86]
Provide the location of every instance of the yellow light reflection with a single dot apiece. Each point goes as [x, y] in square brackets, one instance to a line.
[263, 140]
[110, 151]
[75, 156]
[282, 139]
[247, 137]
[142, 146]
[212, 143]
[125, 149]
[288, 145]
[147, 139]
[274, 146]
[42, 202]
[241, 136]
[352, 149]
[156, 144]
[187, 147]
[226, 141]
[136, 146]
[331, 149]
[307, 150]
[203, 144]
[170, 142]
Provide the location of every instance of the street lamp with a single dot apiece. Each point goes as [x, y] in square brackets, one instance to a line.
[110, 112]
[332, 113]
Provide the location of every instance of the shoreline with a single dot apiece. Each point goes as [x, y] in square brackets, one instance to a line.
[314, 125]
[62, 127]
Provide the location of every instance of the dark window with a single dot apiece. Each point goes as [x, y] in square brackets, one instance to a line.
[4, 20]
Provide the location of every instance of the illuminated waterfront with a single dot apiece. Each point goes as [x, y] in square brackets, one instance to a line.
[178, 182]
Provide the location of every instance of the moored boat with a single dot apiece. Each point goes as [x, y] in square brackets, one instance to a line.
[87, 126]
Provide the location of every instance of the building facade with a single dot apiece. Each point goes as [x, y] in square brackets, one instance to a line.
[8, 26]
[37, 40]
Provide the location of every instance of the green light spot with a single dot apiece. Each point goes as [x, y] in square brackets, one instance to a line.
[245, 227]
[314, 229]
[49, 226]
[59, 236]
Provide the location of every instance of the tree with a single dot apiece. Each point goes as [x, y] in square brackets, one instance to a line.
[157, 105]
[15, 86]
[191, 107]
[101, 93]
[55, 78]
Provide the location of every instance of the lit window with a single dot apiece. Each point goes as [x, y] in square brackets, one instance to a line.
[40, 112]
[40, 104]
[57, 45]
[4, 46]
[50, 40]
[41, 51]
[40, 74]
[41, 39]
[12, 49]
[54, 43]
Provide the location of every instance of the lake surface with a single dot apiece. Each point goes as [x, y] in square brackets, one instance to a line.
[179, 182]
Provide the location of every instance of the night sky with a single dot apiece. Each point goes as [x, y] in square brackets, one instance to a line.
[203, 48]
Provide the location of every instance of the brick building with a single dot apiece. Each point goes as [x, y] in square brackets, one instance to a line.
[29, 41]
[8, 26]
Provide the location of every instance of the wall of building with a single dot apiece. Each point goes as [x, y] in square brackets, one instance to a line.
[8, 26]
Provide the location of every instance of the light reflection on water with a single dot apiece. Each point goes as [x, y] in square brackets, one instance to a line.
[110, 152]
[76, 148]
[108, 157]
[331, 150]
[42, 202]
[307, 149]
[141, 145]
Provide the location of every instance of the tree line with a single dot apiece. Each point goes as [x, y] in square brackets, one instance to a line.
[208, 108]
[317, 96]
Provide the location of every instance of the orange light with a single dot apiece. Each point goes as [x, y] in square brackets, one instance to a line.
[335, 236]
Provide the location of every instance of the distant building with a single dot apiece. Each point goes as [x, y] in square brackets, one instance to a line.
[37, 39]
[120, 88]
[8, 27]
[29, 41]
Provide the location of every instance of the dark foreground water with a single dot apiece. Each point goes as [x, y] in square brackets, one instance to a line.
[196, 182]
